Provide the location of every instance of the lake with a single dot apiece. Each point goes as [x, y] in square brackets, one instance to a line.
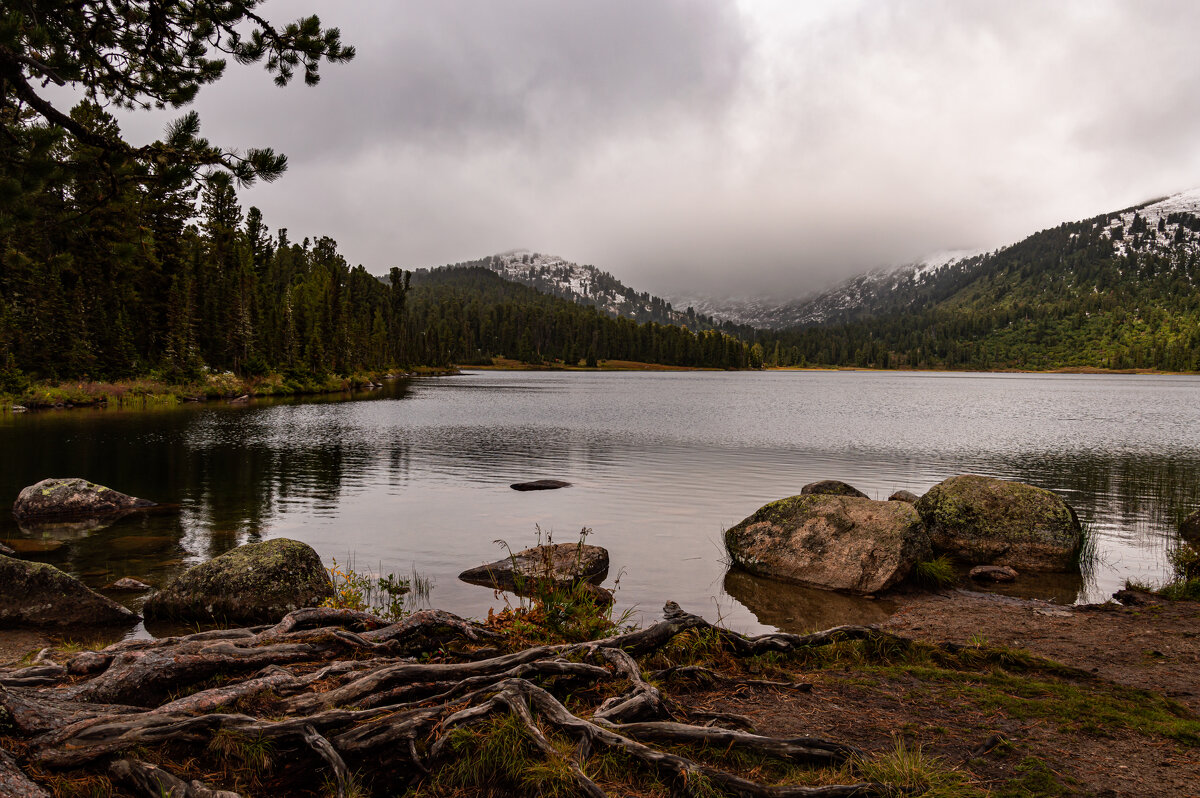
[416, 475]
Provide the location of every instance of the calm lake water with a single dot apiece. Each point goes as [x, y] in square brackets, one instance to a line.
[416, 476]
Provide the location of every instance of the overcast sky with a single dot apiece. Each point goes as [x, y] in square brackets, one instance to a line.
[725, 147]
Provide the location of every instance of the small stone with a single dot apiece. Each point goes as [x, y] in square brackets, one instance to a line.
[131, 585]
[541, 484]
[904, 496]
[19, 409]
[993, 573]
[564, 564]
[6, 551]
[1189, 530]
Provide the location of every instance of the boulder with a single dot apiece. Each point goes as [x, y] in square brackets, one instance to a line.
[540, 484]
[831, 542]
[831, 487]
[993, 573]
[73, 498]
[523, 573]
[37, 594]
[1189, 530]
[254, 583]
[904, 496]
[983, 520]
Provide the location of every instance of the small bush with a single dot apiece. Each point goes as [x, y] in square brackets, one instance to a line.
[936, 574]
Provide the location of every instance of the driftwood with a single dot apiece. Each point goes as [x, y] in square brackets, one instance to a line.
[346, 694]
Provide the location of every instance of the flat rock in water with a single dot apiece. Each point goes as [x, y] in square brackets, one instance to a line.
[831, 542]
[254, 583]
[904, 496]
[993, 573]
[564, 564]
[832, 487]
[540, 484]
[987, 521]
[131, 585]
[73, 498]
[37, 594]
[1189, 530]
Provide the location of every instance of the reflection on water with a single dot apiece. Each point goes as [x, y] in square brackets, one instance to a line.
[792, 608]
[417, 474]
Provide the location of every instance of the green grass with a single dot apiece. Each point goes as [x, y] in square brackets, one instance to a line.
[936, 574]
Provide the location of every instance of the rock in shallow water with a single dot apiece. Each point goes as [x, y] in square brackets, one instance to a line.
[37, 594]
[127, 584]
[993, 573]
[983, 520]
[73, 498]
[1189, 530]
[564, 564]
[832, 487]
[254, 583]
[831, 542]
[904, 496]
[540, 484]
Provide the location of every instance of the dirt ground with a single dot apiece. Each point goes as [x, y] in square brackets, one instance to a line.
[1153, 647]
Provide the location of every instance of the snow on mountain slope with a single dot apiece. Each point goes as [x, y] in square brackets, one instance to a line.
[1167, 226]
[590, 286]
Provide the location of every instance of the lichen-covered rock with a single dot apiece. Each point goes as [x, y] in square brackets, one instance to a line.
[254, 583]
[73, 498]
[832, 487]
[904, 496]
[983, 520]
[1189, 530]
[526, 572]
[37, 594]
[831, 542]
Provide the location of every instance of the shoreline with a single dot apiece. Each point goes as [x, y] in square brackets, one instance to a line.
[143, 392]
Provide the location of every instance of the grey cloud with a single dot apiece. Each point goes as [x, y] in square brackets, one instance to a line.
[755, 146]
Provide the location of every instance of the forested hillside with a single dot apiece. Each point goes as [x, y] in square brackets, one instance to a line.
[470, 314]
[1117, 291]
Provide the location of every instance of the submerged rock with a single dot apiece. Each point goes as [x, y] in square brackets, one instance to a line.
[540, 484]
[37, 594]
[983, 520]
[831, 542]
[525, 572]
[1189, 530]
[73, 498]
[130, 585]
[993, 573]
[254, 583]
[904, 496]
[832, 487]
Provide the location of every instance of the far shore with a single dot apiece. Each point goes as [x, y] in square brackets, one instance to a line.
[151, 391]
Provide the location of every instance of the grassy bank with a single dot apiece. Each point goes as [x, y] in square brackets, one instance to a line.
[144, 391]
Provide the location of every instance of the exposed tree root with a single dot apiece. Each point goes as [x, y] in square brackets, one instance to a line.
[342, 691]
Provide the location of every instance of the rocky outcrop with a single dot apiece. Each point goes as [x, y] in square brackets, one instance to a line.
[254, 583]
[37, 594]
[540, 484]
[61, 499]
[993, 573]
[983, 520]
[904, 496]
[527, 571]
[831, 542]
[831, 487]
[1189, 530]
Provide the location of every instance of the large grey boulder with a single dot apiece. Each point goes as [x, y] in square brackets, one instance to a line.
[37, 594]
[526, 572]
[831, 542]
[61, 499]
[254, 583]
[832, 487]
[983, 520]
[1189, 530]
